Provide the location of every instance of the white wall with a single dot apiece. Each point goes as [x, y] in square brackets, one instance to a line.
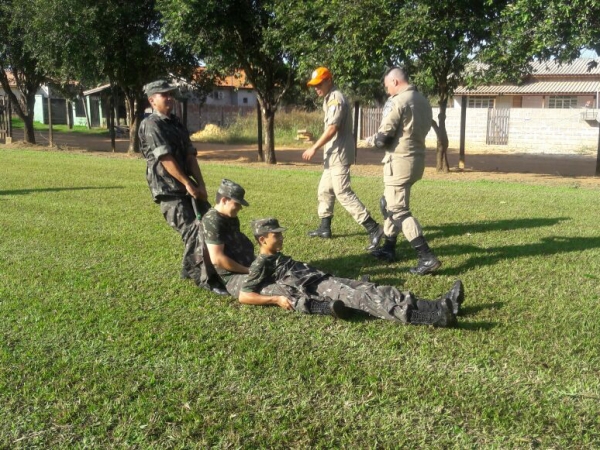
[531, 130]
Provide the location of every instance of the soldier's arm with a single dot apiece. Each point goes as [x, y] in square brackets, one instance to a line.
[221, 260]
[171, 166]
[327, 135]
[254, 298]
[388, 129]
[194, 168]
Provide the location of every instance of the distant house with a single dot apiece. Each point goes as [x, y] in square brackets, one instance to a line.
[550, 85]
[234, 90]
[553, 110]
[12, 84]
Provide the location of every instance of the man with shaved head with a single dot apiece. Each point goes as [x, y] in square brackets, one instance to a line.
[406, 120]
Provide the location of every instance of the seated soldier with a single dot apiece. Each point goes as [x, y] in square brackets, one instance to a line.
[230, 250]
[276, 279]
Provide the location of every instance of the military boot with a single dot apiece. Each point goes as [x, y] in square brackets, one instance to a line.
[439, 314]
[456, 295]
[324, 230]
[387, 251]
[329, 307]
[375, 233]
[428, 262]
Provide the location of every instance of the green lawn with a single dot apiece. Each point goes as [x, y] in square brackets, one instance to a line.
[102, 345]
[76, 129]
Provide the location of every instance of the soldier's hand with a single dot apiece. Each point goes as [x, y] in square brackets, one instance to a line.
[195, 191]
[308, 154]
[284, 303]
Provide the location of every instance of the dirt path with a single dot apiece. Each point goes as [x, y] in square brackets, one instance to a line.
[532, 168]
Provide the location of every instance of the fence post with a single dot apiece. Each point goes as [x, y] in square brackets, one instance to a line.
[463, 127]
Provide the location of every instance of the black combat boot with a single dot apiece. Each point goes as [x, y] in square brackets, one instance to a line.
[428, 262]
[438, 313]
[328, 307]
[387, 251]
[375, 233]
[324, 230]
[456, 295]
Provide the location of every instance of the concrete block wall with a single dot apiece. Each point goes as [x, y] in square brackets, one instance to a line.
[531, 130]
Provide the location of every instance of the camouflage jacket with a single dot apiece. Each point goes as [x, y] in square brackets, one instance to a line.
[280, 269]
[223, 230]
[161, 135]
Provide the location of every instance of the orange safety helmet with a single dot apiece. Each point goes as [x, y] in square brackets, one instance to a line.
[319, 75]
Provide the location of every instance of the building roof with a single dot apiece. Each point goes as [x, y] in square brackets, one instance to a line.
[548, 77]
[11, 78]
[96, 89]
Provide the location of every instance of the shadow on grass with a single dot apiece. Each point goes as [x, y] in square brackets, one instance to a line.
[35, 191]
[459, 229]
[490, 256]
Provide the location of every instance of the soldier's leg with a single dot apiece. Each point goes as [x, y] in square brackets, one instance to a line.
[400, 218]
[179, 214]
[326, 198]
[363, 296]
[303, 303]
[340, 178]
[234, 284]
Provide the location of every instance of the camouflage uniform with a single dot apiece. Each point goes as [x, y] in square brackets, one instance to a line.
[339, 154]
[165, 135]
[406, 121]
[222, 230]
[281, 275]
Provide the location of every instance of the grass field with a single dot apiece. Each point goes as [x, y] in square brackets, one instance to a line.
[102, 345]
[76, 129]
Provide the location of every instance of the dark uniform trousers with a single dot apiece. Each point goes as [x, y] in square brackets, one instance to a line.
[378, 301]
[179, 214]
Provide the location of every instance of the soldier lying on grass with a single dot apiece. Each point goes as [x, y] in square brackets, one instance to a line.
[276, 279]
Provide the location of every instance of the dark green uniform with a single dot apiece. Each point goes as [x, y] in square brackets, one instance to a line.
[281, 275]
[223, 230]
[162, 135]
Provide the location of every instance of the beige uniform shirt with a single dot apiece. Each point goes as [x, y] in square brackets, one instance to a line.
[339, 151]
[407, 119]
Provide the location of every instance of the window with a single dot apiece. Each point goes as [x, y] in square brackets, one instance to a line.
[218, 95]
[481, 102]
[245, 100]
[562, 101]
[79, 111]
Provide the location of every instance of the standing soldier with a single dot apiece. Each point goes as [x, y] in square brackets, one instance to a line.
[175, 181]
[406, 121]
[338, 143]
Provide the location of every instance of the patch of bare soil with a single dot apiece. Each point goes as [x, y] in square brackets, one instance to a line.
[550, 169]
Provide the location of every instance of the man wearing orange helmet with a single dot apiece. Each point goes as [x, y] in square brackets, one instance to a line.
[338, 153]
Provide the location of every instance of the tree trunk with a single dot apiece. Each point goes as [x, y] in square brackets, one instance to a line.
[268, 114]
[69, 107]
[135, 113]
[597, 172]
[50, 131]
[25, 113]
[259, 132]
[111, 121]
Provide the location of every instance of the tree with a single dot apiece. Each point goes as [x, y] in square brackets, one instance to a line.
[16, 57]
[433, 40]
[107, 41]
[237, 35]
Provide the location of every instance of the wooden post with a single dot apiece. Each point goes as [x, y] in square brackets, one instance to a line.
[50, 136]
[597, 172]
[463, 127]
[355, 128]
[259, 132]
[8, 138]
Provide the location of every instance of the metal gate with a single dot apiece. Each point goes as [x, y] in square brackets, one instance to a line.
[5, 113]
[497, 126]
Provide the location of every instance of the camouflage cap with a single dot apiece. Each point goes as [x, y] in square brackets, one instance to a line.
[233, 191]
[268, 225]
[157, 87]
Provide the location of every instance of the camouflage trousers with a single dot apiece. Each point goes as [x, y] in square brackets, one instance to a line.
[179, 214]
[377, 301]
